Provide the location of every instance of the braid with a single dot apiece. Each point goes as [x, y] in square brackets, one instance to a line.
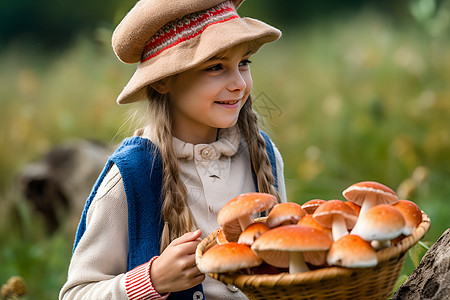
[177, 215]
[178, 218]
[248, 126]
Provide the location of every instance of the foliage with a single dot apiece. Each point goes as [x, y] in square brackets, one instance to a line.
[55, 23]
[347, 99]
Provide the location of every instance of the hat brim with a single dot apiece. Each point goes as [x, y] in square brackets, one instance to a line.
[187, 55]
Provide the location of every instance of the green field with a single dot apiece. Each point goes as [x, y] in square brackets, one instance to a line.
[345, 100]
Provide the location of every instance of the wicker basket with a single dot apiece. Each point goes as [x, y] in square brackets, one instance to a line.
[326, 283]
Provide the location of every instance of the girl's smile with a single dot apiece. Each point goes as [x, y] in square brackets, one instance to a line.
[229, 104]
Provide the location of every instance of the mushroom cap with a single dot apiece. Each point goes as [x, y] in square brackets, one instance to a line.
[412, 214]
[359, 191]
[309, 221]
[381, 222]
[325, 212]
[228, 258]
[244, 205]
[316, 258]
[354, 206]
[221, 238]
[252, 232]
[311, 205]
[275, 245]
[284, 214]
[352, 251]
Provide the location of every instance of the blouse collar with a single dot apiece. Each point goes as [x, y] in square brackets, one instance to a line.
[226, 144]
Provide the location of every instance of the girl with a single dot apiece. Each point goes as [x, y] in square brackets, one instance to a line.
[161, 190]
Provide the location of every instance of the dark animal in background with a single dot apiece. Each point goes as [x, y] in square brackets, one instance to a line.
[58, 184]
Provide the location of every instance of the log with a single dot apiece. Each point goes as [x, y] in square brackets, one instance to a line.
[431, 278]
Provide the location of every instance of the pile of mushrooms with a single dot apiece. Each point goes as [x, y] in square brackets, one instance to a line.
[297, 238]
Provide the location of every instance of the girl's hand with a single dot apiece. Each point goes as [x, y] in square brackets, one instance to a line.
[175, 269]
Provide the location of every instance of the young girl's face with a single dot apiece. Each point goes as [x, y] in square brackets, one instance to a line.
[211, 95]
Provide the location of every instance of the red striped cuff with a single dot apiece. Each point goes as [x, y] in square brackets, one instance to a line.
[138, 284]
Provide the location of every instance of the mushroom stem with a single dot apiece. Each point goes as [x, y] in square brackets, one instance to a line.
[297, 263]
[245, 221]
[379, 244]
[339, 227]
[369, 201]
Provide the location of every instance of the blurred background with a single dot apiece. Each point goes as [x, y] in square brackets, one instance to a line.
[354, 90]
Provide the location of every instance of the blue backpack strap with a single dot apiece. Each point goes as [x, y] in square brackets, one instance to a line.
[272, 158]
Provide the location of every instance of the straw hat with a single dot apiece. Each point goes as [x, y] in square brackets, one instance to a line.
[167, 37]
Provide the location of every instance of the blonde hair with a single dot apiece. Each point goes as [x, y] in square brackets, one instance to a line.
[178, 218]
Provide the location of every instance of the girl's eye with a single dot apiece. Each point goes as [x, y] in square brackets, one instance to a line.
[214, 68]
[245, 63]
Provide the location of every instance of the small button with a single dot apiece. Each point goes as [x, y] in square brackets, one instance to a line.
[197, 296]
[206, 153]
[232, 288]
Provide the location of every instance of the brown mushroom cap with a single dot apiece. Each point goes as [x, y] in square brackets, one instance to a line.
[317, 258]
[275, 245]
[352, 251]
[286, 213]
[358, 192]
[252, 232]
[228, 258]
[221, 238]
[337, 215]
[309, 221]
[354, 206]
[311, 205]
[412, 214]
[382, 222]
[325, 213]
[236, 215]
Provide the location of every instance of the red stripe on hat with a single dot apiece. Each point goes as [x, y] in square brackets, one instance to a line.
[186, 28]
[185, 39]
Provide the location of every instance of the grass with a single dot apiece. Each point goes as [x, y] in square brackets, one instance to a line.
[347, 99]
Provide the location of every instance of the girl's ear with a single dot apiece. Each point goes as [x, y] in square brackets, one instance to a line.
[161, 86]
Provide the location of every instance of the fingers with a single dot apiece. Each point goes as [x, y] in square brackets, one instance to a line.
[183, 248]
[187, 237]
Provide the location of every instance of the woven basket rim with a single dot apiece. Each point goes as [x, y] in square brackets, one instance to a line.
[285, 279]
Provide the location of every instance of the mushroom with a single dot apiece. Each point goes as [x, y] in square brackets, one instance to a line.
[252, 232]
[228, 258]
[286, 213]
[311, 205]
[368, 194]
[338, 216]
[317, 258]
[236, 215]
[352, 251]
[412, 214]
[381, 224]
[284, 246]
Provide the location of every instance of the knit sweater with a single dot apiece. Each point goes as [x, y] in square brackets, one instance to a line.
[213, 174]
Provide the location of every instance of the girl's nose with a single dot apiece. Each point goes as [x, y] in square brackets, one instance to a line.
[237, 81]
